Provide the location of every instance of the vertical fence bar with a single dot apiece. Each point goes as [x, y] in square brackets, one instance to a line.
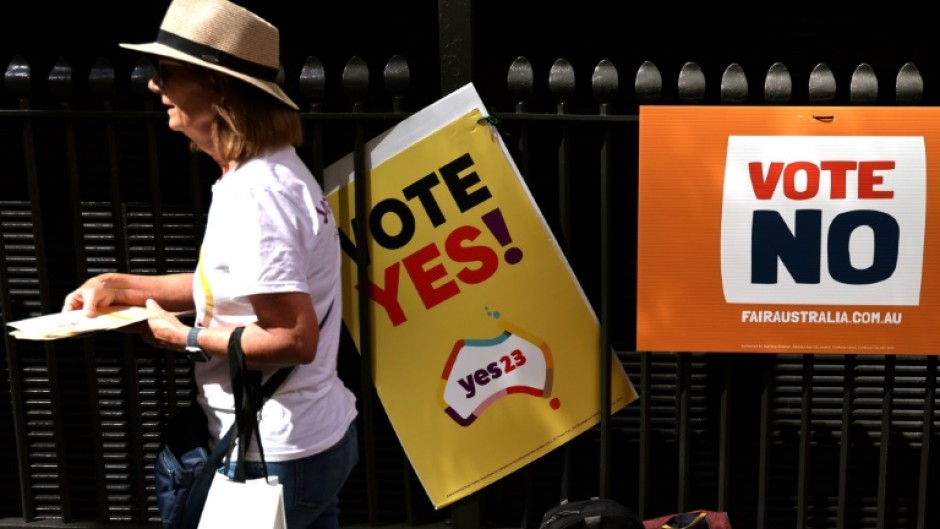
[644, 464]
[312, 86]
[604, 85]
[60, 83]
[763, 465]
[923, 479]
[120, 405]
[724, 435]
[16, 385]
[806, 432]
[138, 367]
[397, 81]
[887, 408]
[163, 368]
[648, 87]
[519, 83]
[683, 425]
[455, 39]
[561, 85]
[17, 79]
[691, 90]
[355, 84]
[119, 222]
[140, 77]
[58, 468]
[848, 395]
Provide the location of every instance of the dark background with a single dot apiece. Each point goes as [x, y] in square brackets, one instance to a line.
[755, 35]
[798, 34]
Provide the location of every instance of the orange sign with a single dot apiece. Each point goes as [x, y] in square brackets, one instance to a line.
[788, 230]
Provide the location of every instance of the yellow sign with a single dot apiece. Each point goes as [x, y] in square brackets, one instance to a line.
[485, 347]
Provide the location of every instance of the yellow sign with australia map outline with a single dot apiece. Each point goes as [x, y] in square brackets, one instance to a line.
[485, 348]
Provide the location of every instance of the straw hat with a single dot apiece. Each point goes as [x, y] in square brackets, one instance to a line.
[221, 36]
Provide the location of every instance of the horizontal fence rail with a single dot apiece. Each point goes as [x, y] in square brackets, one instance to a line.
[94, 182]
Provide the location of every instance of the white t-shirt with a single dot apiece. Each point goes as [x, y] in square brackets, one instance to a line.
[270, 229]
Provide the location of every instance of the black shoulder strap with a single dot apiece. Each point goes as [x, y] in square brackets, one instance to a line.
[275, 380]
[268, 389]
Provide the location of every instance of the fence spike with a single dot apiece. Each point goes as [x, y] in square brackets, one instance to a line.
[101, 79]
[561, 83]
[17, 77]
[648, 85]
[604, 83]
[734, 85]
[140, 77]
[397, 79]
[863, 89]
[822, 85]
[520, 81]
[312, 82]
[778, 86]
[61, 82]
[909, 85]
[691, 83]
[355, 81]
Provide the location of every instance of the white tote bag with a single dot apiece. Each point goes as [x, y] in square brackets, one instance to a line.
[241, 502]
[256, 503]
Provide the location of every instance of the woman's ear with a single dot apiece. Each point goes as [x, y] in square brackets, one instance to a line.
[219, 82]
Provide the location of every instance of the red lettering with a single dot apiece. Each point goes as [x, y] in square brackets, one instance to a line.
[867, 179]
[838, 170]
[790, 178]
[488, 259]
[388, 298]
[764, 186]
[809, 175]
[424, 278]
[430, 277]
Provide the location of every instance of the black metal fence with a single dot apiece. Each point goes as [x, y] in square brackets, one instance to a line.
[92, 181]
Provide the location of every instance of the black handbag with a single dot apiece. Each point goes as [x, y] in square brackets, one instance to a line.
[184, 468]
[593, 513]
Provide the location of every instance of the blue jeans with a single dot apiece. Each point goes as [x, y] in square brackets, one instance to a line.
[312, 484]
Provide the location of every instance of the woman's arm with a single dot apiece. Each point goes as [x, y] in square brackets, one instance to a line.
[174, 292]
[286, 332]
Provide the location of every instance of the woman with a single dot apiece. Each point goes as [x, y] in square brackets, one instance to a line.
[270, 259]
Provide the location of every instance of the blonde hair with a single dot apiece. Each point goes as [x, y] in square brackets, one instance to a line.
[250, 121]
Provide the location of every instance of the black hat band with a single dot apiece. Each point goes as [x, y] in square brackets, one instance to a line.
[217, 57]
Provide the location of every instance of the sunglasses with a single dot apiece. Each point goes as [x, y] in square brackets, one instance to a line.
[166, 69]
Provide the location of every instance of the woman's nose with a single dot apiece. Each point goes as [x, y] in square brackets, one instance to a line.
[153, 86]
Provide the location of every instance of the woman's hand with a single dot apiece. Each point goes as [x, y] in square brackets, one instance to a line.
[93, 294]
[163, 329]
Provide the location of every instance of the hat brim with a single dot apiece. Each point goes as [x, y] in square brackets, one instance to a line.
[161, 50]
